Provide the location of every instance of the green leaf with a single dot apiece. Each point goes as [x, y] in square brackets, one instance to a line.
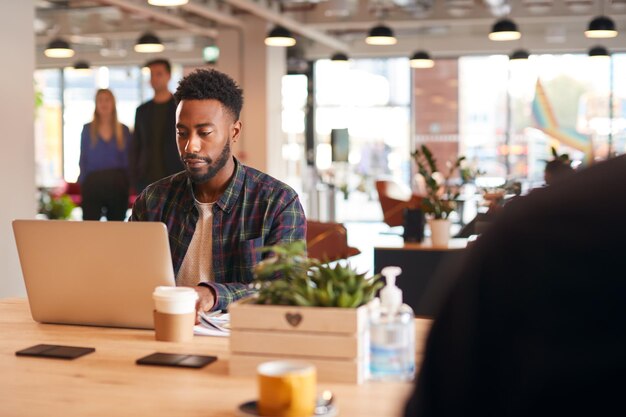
[344, 299]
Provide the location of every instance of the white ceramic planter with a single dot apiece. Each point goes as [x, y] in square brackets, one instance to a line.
[439, 232]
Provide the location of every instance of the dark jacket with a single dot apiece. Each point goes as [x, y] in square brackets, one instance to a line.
[142, 153]
[536, 322]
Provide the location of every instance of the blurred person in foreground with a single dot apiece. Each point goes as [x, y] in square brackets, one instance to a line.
[103, 162]
[556, 170]
[154, 154]
[535, 321]
[218, 211]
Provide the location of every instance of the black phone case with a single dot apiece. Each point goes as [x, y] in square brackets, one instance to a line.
[55, 351]
[176, 360]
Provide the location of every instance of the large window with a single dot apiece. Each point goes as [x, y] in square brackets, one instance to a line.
[367, 103]
[48, 127]
[512, 113]
[294, 102]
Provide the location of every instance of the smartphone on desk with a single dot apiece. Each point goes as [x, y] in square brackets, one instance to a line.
[176, 360]
[55, 351]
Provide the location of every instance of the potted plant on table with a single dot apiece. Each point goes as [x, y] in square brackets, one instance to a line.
[304, 309]
[439, 199]
[309, 282]
[56, 206]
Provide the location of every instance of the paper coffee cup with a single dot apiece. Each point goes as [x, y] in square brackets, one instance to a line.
[174, 327]
[286, 388]
[174, 313]
[174, 300]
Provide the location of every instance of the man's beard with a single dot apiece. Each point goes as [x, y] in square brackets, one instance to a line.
[213, 167]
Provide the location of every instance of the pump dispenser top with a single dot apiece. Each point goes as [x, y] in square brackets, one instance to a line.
[390, 294]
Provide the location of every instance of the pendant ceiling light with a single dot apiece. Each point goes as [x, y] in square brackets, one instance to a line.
[599, 52]
[339, 57]
[504, 30]
[280, 36]
[81, 65]
[381, 35]
[149, 43]
[519, 55]
[601, 27]
[58, 48]
[421, 59]
[167, 3]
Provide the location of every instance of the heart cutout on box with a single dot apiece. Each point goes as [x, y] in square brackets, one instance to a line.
[293, 319]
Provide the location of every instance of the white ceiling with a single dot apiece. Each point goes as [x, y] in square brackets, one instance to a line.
[104, 31]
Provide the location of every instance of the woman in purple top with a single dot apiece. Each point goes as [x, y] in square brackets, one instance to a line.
[104, 162]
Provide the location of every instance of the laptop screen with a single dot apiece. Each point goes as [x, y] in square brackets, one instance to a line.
[93, 272]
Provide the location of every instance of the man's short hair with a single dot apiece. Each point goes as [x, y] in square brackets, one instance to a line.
[160, 61]
[210, 84]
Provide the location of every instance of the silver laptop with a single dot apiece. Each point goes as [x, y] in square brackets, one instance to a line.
[91, 272]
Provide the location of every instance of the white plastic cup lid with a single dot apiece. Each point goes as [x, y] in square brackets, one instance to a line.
[175, 293]
[175, 300]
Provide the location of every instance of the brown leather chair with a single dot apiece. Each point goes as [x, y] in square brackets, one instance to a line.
[394, 199]
[328, 241]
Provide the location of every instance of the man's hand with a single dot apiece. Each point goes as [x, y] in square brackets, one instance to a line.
[206, 300]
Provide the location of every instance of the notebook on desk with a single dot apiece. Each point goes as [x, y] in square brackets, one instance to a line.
[91, 272]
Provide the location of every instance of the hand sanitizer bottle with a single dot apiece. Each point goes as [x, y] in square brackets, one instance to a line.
[392, 334]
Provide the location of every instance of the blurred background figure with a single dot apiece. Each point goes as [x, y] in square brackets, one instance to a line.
[103, 162]
[373, 165]
[154, 152]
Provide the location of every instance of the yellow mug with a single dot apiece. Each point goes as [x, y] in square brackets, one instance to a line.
[286, 389]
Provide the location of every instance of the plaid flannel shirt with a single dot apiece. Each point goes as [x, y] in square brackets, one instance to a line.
[255, 210]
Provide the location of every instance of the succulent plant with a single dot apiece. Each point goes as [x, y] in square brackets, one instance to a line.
[289, 277]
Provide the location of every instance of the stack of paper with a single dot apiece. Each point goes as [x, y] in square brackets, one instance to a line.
[213, 324]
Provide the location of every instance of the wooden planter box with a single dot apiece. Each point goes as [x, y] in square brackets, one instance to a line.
[332, 339]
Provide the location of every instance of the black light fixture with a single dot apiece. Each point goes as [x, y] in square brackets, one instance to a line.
[59, 48]
[421, 59]
[81, 65]
[280, 36]
[149, 43]
[519, 55]
[599, 52]
[339, 57]
[504, 30]
[381, 35]
[601, 27]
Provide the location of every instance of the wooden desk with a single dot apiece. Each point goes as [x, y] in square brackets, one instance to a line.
[108, 383]
[420, 263]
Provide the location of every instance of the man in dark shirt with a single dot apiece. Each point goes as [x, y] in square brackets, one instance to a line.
[535, 324]
[153, 153]
[218, 211]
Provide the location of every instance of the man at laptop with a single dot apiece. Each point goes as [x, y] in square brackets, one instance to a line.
[218, 212]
